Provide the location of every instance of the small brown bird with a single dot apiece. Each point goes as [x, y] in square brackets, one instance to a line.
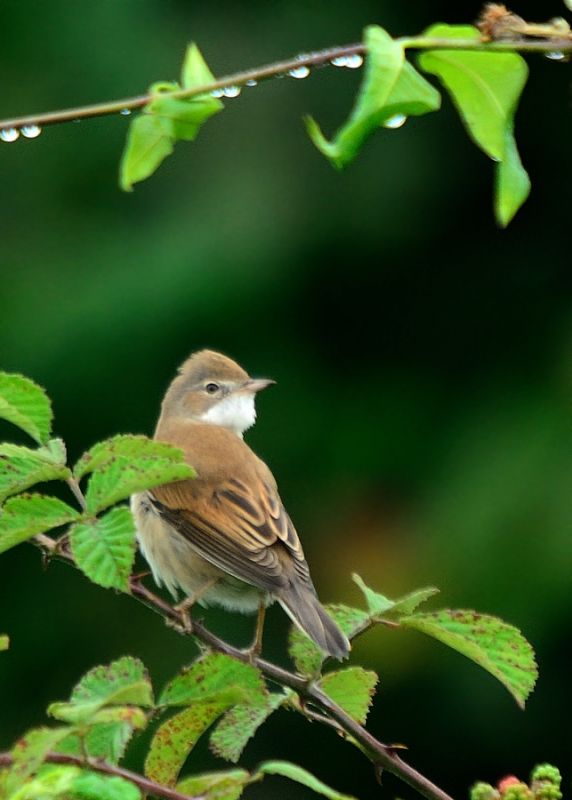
[224, 538]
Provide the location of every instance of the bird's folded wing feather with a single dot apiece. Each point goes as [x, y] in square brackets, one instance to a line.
[241, 528]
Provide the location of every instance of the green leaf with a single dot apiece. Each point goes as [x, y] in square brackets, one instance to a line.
[93, 786]
[124, 681]
[488, 641]
[4, 642]
[130, 446]
[295, 773]
[307, 657]
[102, 740]
[384, 63]
[26, 405]
[104, 549]
[380, 606]
[29, 753]
[227, 785]
[149, 142]
[21, 467]
[352, 689]
[210, 675]
[512, 183]
[185, 116]
[25, 516]
[52, 782]
[195, 71]
[485, 88]
[124, 476]
[174, 739]
[391, 86]
[240, 724]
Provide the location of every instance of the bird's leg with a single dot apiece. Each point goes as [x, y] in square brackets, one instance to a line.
[184, 608]
[256, 647]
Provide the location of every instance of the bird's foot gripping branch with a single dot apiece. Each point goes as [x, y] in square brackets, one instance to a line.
[223, 694]
[480, 67]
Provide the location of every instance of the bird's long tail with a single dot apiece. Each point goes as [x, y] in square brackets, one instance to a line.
[303, 607]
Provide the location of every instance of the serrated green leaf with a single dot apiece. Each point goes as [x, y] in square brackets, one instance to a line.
[21, 467]
[104, 549]
[130, 446]
[238, 725]
[380, 606]
[307, 657]
[29, 753]
[102, 740]
[227, 785]
[52, 782]
[352, 689]
[512, 183]
[296, 773]
[210, 675]
[485, 88]
[124, 681]
[26, 405]
[174, 739]
[94, 786]
[149, 142]
[25, 516]
[4, 642]
[488, 641]
[384, 63]
[123, 476]
[377, 604]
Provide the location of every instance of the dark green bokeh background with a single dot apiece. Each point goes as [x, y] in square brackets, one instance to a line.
[420, 429]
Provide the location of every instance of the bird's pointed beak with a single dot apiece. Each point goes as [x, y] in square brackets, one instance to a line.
[257, 384]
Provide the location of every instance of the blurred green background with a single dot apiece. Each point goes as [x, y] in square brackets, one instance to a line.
[420, 429]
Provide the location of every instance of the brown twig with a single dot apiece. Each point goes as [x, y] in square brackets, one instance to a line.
[97, 765]
[562, 43]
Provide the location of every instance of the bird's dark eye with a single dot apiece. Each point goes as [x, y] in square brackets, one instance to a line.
[212, 388]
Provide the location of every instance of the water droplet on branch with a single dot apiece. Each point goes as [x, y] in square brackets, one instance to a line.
[354, 61]
[217, 93]
[125, 112]
[31, 131]
[339, 61]
[396, 121]
[252, 82]
[9, 134]
[555, 55]
[231, 91]
[299, 72]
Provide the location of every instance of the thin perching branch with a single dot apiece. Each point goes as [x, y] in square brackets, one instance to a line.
[383, 756]
[275, 69]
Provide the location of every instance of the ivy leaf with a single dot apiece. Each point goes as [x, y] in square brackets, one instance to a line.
[25, 516]
[166, 120]
[210, 675]
[240, 724]
[4, 642]
[174, 739]
[26, 405]
[391, 86]
[485, 88]
[512, 183]
[307, 657]
[104, 549]
[296, 773]
[227, 785]
[29, 753]
[352, 689]
[21, 467]
[130, 446]
[381, 606]
[488, 641]
[124, 476]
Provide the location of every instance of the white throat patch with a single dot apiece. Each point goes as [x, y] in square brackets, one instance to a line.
[236, 412]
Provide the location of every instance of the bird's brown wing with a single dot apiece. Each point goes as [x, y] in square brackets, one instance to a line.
[240, 527]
